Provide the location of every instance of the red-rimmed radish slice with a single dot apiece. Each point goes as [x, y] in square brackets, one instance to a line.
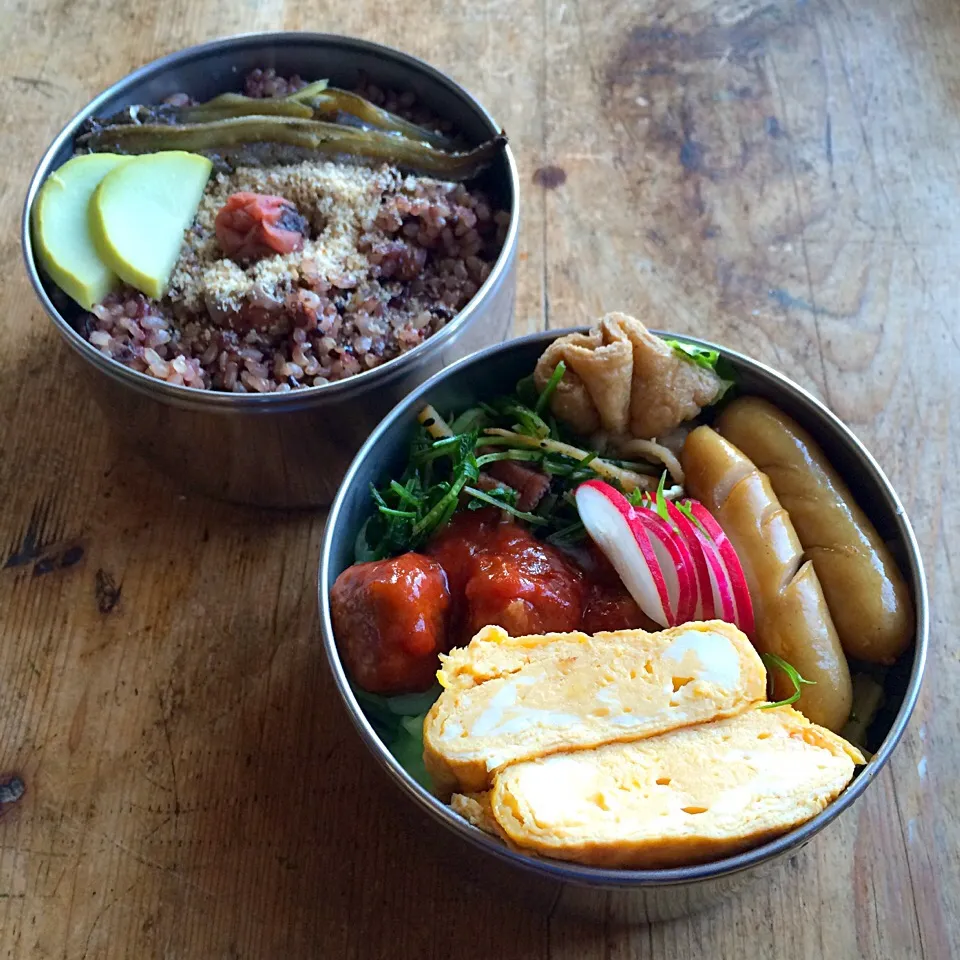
[676, 565]
[712, 588]
[731, 562]
[654, 565]
[720, 590]
[704, 559]
[607, 516]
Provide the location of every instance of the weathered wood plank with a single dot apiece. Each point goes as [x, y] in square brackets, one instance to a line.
[777, 176]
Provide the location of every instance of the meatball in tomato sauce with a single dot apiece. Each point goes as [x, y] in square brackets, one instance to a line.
[390, 618]
[607, 605]
[500, 574]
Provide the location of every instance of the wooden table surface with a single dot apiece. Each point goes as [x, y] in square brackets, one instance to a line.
[780, 176]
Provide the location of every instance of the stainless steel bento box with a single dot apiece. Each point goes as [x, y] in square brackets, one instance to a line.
[628, 896]
[278, 450]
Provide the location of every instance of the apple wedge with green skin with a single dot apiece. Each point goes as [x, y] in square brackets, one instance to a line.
[139, 212]
[61, 228]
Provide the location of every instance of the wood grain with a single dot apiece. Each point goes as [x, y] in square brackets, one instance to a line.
[780, 176]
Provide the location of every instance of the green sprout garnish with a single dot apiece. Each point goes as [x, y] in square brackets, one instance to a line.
[772, 660]
[552, 383]
[701, 356]
[661, 500]
[684, 507]
[494, 501]
[709, 359]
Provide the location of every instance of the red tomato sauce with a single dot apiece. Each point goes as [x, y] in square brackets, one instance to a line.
[391, 621]
[393, 617]
[501, 575]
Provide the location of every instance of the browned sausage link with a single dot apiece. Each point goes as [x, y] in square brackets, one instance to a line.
[866, 594]
[792, 619]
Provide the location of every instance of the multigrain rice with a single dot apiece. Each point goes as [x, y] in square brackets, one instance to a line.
[389, 260]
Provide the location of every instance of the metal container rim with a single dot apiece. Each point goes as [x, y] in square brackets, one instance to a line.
[618, 878]
[210, 400]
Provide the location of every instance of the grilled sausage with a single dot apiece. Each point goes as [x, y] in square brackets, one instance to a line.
[792, 619]
[866, 594]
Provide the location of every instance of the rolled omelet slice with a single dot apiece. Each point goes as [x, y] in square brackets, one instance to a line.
[508, 699]
[685, 797]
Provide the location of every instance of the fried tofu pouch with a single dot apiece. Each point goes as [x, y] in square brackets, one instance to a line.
[508, 699]
[868, 598]
[623, 380]
[689, 796]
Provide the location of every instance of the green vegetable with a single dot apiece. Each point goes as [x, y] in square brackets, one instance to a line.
[501, 495]
[390, 511]
[571, 533]
[306, 93]
[575, 472]
[528, 421]
[236, 105]
[403, 493]
[336, 105]
[661, 500]
[363, 552]
[398, 722]
[316, 136]
[446, 458]
[412, 704]
[407, 749]
[527, 391]
[555, 378]
[684, 507]
[486, 498]
[868, 698]
[438, 515]
[772, 660]
[701, 356]
[474, 419]
[529, 455]
[709, 359]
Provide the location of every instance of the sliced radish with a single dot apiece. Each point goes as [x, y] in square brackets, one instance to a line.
[676, 565]
[654, 562]
[706, 607]
[720, 590]
[731, 563]
[712, 588]
[608, 517]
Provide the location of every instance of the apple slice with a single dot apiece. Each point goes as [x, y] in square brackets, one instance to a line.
[61, 230]
[139, 212]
